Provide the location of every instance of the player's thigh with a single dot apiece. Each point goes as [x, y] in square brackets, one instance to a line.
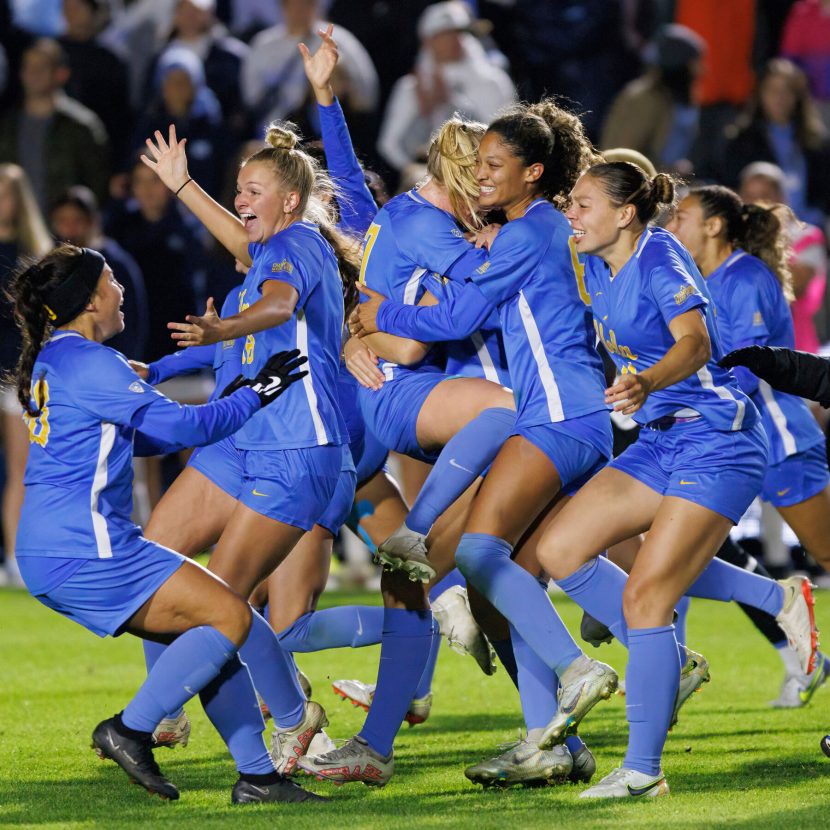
[525, 553]
[810, 521]
[624, 553]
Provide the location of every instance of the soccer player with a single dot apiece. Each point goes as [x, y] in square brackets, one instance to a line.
[87, 412]
[694, 469]
[741, 250]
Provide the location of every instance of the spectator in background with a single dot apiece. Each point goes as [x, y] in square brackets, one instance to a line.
[38, 17]
[22, 234]
[766, 183]
[57, 141]
[75, 218]
[97, 74]
[782, 126]
[658, 114]
[274, 85]
[170, 255]
[806, 42]
[452, 74]
[182, 98]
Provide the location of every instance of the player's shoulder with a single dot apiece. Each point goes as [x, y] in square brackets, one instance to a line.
[416, 218]
[661, 249]
[81, 361]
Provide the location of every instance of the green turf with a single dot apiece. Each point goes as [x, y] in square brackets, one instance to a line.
[731, 761]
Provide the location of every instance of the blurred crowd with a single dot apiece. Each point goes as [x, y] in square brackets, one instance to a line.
[729, 91]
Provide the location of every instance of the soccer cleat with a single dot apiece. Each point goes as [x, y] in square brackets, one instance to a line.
[287, 745]
[244, 792]
[628, 783]
[798, 689]
[582, 685]
[524, 763]
[798, 620]
[693, 675]
[354, 761]
[320, 744]
[362, 694]
[172, 732]
[456, 622]
[134, 756]
[584, 766]
[593, 631]
[406, 551]
[305, 683]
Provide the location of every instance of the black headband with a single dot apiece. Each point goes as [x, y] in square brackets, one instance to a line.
[69, 299]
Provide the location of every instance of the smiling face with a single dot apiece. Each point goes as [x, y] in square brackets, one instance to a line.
[107, 301]
[689, 225]
[262, 202]
[503, 179]
[595, 220]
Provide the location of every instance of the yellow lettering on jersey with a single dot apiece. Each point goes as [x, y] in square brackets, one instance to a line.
[684, 294]
[248, 353]
[610, 342]
[579, 273]
[368, 243]
[285, 265]
[39, 426]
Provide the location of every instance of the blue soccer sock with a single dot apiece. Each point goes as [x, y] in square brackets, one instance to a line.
[229, 700]
[464, 457]
[452, 579]
[404, 652]
[274, 674]
[651, 682]
[152, 652]
[597, 587]
[189, 663]
[725, 582]
[485, 562]
[504, 651]
[425, 683]
[537, 684]
[682, 609]
[346, 626]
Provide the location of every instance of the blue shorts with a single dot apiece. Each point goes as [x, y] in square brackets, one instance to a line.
[221, 463]
[291, 486]
[391, 413]
[578, 447]
[797, 478]
[335, 515]
[100, 594]
[373, 458]
[719, 470]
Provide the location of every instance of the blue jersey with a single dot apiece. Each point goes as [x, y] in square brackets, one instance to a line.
[307, 414]
[632, 312]
[409, 239]
[79, 473]
[751, 310]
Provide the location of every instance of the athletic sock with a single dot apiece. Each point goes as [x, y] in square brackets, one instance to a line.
[273, 673]
[425, 683]
[725, 582]
[452, 579]
[537, 684]
[191, 661]
[485, 562]
[682, 609]
[347, 626]
[464, 457]
[504, 651]
[152, 652]
[404, 652]
[597, 587]
[651, 683]
[229, 701]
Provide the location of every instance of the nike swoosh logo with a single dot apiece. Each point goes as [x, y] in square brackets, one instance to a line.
[454, 463]
[687, 482]
[256, 493]
[635, 791]
[189, 690]
[567, 709]
[260, 790]
[784, 491]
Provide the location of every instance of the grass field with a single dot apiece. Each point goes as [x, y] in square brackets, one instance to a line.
[731, 761]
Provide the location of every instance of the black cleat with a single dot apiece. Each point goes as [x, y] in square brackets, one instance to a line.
[134, 756]
[244, 792]
[593, 631]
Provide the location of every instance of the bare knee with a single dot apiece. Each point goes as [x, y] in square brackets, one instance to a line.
[645, 605]
[233, 618]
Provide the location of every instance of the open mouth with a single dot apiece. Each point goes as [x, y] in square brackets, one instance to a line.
[247, 219]
[486, 190]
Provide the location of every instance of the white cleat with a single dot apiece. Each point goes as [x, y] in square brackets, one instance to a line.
[305, 683]
[320, 744]
[361, 695]
[693, 675]
[172, 732]
[355, 761]
[456, 622]
[582, 685]
[405, 550]
[798, 689]
[798, 620]
[628, 783]
[287, 745]
[523, 763]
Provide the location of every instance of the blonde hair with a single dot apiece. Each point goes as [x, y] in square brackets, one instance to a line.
[451, 161]
[31, 235]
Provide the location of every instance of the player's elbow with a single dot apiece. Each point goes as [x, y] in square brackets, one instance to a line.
[411, 352]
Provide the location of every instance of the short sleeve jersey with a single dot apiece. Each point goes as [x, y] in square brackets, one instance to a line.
[307, 414]
[752, 310]
[632, 311]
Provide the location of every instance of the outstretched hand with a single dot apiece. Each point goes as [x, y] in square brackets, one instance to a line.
[320, 66]
[167, 158]
[198, 331]
[364, 319]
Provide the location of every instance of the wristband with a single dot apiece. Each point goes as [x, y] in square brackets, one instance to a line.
[183, 186]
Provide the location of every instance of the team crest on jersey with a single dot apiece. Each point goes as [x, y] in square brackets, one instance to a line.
[757, 319]
[457, 232]
[285, 265]
[135, 386]
[684, 294]
[483, 268]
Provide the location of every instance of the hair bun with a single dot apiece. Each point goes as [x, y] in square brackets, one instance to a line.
[663, 189]
[282, 135]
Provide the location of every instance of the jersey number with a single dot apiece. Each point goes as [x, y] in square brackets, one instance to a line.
[579, 273]
[368, 244]
[39, 426]
[248, 352]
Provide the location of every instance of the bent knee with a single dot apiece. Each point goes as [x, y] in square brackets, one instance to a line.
[645, 604]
